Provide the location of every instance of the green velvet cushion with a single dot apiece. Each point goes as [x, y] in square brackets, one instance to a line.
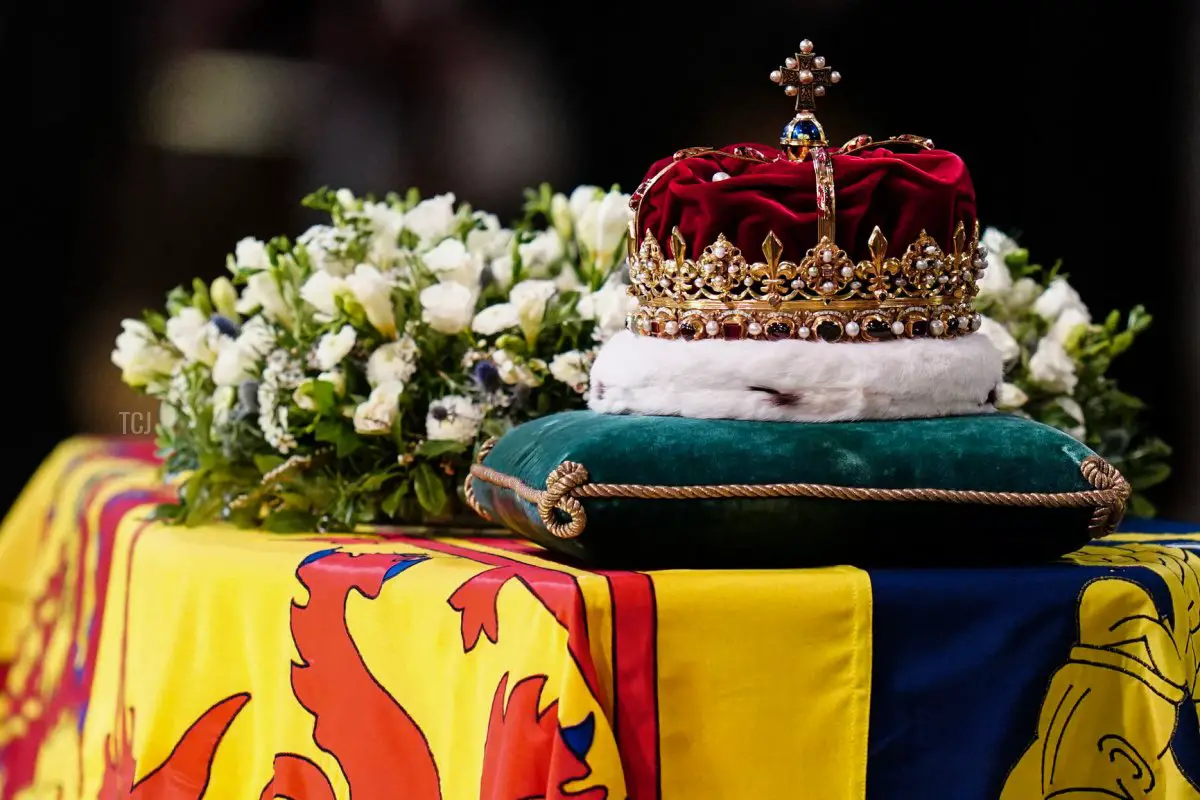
[989, 453]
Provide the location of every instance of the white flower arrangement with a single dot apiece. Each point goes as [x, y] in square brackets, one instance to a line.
[346, 377]
[1057, 359]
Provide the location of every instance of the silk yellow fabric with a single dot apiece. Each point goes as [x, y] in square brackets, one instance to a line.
[225, 664]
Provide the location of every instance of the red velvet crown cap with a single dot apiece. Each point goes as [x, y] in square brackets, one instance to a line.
[902, 193]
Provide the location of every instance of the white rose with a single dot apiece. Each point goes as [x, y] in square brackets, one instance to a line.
[602, 228]
[541, 253]
[375, 416]
[1023, 294]
[997, 279]
[333, 347]
[432, 220]
[515, 372]
[608, 307]
[238, 360]
[386, 224]
[262, 291]
[325, 246]
[374, 293]
[143, 361]
[1051, 367]
[496, 318]
[453, 418]
[1059, 297]
[451, 261]
[571, 368]
[1075, 412]
[1010, 396]
[1067, 322]
[530, 298]
[392, 362]
[447, 307]
[582, 198]
[251, 253]
[321, 290]
[194, 335]
[999, 336]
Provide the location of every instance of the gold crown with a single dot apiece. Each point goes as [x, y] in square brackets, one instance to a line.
[824, 296]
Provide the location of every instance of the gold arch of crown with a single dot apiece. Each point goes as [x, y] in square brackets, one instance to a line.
[825, 295]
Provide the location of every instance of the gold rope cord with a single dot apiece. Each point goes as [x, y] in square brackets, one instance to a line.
[567, 484]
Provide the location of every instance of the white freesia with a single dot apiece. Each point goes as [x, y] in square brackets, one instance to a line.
[502, 270]
[224, 297]
[326, 247]
[321, 291]
[333, 347]
[374, 293]
[1075, 411]
[194, 335]
[608, 307]
[143, 361]
[561, 217]
[496, 318]
[997, 279]
[582, 198]
[375, 415]
[454, 418]
[336, 377]
[541, 253]
[601, 228]
[447, 307]
[1059, 297]
[346, 199]
[530, 299]
[1010, 396]
[568, 279]
[392, 362]
[237, 361]
[518, 372]
[999, 336]
[251, 254]
[386, 223]
[223, 400]
[452, 261]
[262, 292]
[491, 241]
[1052, 368]
[572, 369]
[1070, 319]
[432, 220]
[1023, 294]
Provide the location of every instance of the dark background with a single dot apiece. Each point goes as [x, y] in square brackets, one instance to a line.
[160, 134]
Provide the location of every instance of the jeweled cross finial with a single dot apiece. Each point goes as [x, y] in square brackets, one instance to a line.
[805, 77]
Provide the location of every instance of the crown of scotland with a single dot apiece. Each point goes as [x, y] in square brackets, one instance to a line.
[746, 242]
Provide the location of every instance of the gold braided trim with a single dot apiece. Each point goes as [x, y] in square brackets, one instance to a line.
[469, 488]
[567, 484]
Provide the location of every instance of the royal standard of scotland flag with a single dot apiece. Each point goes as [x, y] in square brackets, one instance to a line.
[142, 660]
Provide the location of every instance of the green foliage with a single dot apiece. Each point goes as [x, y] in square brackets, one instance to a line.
[1096, 409]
